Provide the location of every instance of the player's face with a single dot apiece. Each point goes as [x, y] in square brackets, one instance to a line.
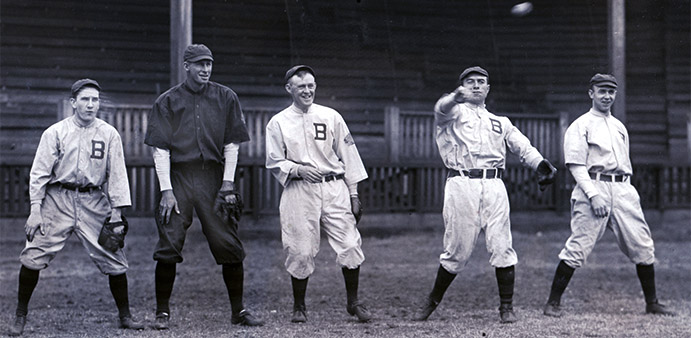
[86, 105]
[302, 90]
[603, 97]
[478, 86]
[199, 72]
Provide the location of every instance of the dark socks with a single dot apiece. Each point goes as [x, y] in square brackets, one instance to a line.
[27, 283]
[352, 278]
[233, 275]
[444, 279]
[299, 291]
[118, 287]
[165, 277]
[505, 280]
[646, 274]
[561, 280]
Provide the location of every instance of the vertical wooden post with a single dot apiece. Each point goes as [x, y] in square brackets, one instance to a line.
[180, 37]
[617, 53]
[392, 129]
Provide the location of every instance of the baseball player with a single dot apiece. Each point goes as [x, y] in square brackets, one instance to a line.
[472, 143]
[78, 179]
[196, 128]
[312, 154]
[596, 151]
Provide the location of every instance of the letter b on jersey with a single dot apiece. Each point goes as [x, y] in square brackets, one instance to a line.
[98, 149]
[320, 131]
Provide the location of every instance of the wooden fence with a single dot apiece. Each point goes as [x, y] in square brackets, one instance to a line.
[410, 135]
[390, 188]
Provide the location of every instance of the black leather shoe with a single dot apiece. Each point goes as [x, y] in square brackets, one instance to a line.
[299, 314]
[658, 309]
[17, 327]
[245, 318]
[506, 314]
[131, 324]
[358, 309]
[426, 309]
[162, 320]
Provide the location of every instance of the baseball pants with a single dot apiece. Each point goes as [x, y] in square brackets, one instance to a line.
[471, 205]
[304, 208]
[195, 186]
[625, 219]
[65, 212]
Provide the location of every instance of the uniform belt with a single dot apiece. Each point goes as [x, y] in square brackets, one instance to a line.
[77, 188]
[327, 178]
[608, 178]
[478, 173]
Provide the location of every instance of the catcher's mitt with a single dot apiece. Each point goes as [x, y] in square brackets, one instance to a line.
[546, 174]
[228, 211]
[112, 236]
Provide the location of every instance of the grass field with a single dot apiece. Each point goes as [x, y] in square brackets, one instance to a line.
[604, 298]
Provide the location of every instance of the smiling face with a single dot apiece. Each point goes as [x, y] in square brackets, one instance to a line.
[86, 105]
[301, 88]
[478, 86]
[603, 97]
[198, 73]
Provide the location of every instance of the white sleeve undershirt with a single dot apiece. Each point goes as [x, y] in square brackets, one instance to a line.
[580, 174]
[162, 164]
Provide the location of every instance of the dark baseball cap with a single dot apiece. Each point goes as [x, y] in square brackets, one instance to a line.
[470, 70]
[79, 84]
[197, 52]
[603, 80]
[295, 69]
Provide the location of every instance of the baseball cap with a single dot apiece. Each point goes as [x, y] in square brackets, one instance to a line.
[603, 80]
[79, 84]
[295, 69]
[474, 69]
[197, 52]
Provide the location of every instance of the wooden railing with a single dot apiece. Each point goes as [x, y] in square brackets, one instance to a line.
[389, 188]
[410, 135]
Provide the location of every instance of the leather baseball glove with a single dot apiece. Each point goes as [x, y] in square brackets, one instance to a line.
[546, 173]
[228, 211]
[112, 236]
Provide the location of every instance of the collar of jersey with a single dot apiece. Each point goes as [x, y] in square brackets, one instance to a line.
[297, 110]
[599, 114]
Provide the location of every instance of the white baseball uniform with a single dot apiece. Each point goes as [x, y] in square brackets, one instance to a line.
[319, 138]
[600, 142]
[71, 167]
[470, 137]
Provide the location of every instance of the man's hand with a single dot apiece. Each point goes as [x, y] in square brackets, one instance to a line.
[461, 94]
[167, 205]
[356, 208]
[226, 187]
[34, 222]
[599, 206]
[309, 174]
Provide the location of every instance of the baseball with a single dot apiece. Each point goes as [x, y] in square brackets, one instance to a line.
[522, 9]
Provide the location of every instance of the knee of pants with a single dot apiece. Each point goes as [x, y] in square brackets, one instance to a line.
[572, 259]
[503, 258]
[34, 263]
[300, 266]
[351, 258]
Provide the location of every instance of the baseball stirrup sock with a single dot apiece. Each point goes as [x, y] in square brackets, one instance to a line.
[118, 287]
[299, 290]
[561, 280]
[646, 274]
[27, 283]
[505, 280]
[444, 279]
[165, 278]
[352, 278]
[233, 276]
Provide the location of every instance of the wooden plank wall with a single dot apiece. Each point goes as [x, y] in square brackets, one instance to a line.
[368, 55]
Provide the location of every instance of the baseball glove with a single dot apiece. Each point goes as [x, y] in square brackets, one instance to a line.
[112, 236]
[546, 174]
[228, 211]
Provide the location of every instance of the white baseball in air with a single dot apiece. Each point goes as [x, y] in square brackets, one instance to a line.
[522, 8]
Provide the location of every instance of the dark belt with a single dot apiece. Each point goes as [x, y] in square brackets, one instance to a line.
[478, 173]
[609, 178]
[77, 188]
[327, 178]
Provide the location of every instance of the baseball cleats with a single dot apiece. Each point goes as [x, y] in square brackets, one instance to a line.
[18, 327]
[162, 320]
[359, 310]
[299, 314]
[129, 323]
[245, 318]
[552, 310]
[426, 310]
[658, 309]
[506, 314]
